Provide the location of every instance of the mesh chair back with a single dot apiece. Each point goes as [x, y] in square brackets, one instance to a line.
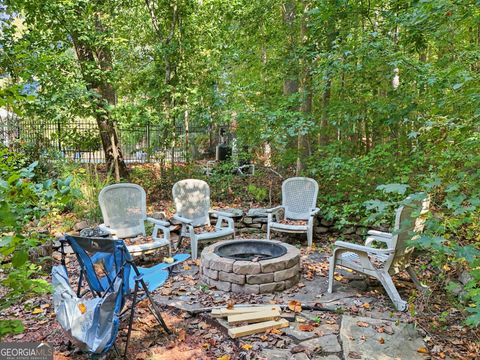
[192, 200]
[124, 209]
[299, 196]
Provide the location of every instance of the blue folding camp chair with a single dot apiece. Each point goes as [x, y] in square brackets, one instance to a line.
[102, 261]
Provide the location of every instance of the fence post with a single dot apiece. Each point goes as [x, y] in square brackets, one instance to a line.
[59, 130]
[148, 142]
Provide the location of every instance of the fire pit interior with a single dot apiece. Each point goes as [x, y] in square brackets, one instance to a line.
[250, 266]
[252, 250]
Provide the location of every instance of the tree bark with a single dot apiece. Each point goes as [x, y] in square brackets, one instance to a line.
[103, 96]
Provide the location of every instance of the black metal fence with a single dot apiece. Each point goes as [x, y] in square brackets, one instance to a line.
[80, 141]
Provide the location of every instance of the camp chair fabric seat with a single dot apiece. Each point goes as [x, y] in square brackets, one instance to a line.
[104, 261]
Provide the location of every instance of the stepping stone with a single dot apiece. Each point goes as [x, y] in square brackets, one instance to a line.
[275, 354]
[298, 335]
[366, 343]
[323, 344]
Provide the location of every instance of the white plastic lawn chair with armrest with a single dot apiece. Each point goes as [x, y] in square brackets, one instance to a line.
[383, 263]
[124, 211]
[192, 202]
[299, 201]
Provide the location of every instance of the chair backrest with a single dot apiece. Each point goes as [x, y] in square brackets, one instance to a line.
[102, 261]
[299, 196]
[409, 222]
[192, 200]
[124, 209]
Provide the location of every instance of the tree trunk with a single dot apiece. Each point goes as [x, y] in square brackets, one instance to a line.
[104, 98]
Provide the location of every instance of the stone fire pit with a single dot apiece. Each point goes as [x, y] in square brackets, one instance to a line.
[250, 266]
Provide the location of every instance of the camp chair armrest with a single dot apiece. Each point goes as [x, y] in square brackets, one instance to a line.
[182, 219]
[372, 239]
[275, 209]
[228, 220]
[107, 229]
[379, 234]
[157, 221]
[221, 213]
[314, 212]
[363, 248]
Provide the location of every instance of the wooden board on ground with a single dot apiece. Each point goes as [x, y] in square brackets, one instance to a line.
[256, 328]
[254, 317]
[242, 310]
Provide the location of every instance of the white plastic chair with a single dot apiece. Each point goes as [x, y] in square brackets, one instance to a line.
[299, 201]
[383, 263]
[124, 211]
[192, 202]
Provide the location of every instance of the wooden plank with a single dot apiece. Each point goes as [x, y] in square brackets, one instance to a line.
[242, 310]
[256, 328]
[253, 317]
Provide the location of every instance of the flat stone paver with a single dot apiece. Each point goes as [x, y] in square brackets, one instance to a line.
[365, 342]
[298, 335]
[323, 344]
[275, 354]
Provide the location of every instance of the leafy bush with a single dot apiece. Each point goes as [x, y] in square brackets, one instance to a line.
[24, 201]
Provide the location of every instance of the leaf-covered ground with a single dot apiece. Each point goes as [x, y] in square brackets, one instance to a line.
[199, 336]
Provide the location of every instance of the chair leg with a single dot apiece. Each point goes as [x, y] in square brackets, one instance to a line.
[418, 284]
[309, 237]
[155, 310]
[179, 242]
[392, 291]
[331, 271]
[130, 323]
[194, 246]
[268, 231]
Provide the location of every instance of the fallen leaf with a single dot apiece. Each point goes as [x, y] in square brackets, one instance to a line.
[181, 335]
[186, 266]
[354, 355]
[306, 327]
[230, 304]
[276, 331]
[224, 357]
[363, 324]
[366, 306]
[295, 306]
[422, 350]
[247, 347]
[338, 277]
[301, 285]
[168, 260]
[380, 329]
[38, 311]
[381, 340]
[82, 308]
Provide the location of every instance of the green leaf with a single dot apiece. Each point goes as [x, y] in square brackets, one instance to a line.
[19, 258]
[10, 327]
[393, 188]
